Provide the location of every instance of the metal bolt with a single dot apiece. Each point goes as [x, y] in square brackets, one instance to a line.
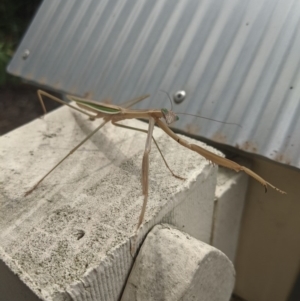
[179, 96]
[25, 54]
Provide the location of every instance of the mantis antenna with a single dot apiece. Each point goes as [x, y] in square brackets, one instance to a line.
[175, 117]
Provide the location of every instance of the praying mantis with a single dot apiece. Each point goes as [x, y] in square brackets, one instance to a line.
[163, 118]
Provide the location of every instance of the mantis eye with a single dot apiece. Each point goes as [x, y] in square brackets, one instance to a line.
[164, 111]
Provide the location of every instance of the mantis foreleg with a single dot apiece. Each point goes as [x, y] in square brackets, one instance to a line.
[215, 158]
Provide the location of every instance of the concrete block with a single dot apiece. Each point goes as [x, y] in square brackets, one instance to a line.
[172, 265]
[70, 239]
[229, 204]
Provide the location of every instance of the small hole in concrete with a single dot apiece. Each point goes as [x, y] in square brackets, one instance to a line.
[79, 234]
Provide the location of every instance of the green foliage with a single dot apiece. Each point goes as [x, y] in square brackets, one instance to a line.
[6, 52]
[15, 16]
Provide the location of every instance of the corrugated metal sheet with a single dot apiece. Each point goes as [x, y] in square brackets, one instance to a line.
[238, 61]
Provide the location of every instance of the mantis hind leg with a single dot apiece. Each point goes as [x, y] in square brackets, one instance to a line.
[42, 94]
[65, 157]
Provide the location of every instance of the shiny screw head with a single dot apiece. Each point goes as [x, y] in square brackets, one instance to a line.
[25, 54]
[179, 96]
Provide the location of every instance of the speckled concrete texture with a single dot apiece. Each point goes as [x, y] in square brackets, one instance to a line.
[70, 239]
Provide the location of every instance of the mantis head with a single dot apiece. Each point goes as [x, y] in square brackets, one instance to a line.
[169, 116]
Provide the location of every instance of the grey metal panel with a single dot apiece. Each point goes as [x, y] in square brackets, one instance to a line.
[238, 61]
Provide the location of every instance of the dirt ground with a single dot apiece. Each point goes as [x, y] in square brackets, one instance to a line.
[19, 105]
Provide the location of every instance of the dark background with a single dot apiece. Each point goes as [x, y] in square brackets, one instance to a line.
[18, 101]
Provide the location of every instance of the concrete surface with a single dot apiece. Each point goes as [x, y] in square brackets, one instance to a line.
[172, 265]
[70, 239]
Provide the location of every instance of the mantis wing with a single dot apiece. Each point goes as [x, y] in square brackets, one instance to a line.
[99, 107]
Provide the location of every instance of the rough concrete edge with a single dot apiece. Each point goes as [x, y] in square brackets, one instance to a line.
[75, 288]
[173, 203]
[26, 280]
